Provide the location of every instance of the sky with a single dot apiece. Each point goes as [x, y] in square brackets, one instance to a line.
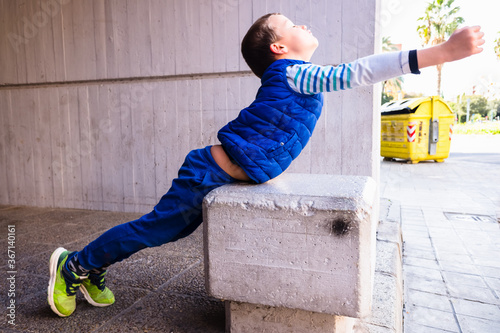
[398, 21]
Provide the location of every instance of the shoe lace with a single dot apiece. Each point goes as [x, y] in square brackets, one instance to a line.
[98, 280]
[71, 289]
[72, 283]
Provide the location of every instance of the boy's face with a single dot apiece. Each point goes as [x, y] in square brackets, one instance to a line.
[295, 41]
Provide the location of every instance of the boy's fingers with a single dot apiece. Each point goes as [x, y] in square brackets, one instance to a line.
[475, 36]
[477, 50]
[473, 29]
[479, 39]
[479, 34]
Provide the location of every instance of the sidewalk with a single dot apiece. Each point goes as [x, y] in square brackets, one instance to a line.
[450, 220]
[451, 262]
[155, 289]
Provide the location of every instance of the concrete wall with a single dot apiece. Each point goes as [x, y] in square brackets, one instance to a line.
[101, 100]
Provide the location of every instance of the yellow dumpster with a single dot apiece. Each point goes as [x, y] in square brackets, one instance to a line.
[416, 129]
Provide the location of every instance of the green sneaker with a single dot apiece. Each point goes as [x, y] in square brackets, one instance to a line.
[95, 291]
[63, 284]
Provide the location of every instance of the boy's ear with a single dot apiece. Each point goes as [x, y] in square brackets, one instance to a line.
[278, 48]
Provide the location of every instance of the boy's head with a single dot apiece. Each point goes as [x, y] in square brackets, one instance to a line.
[273, 37]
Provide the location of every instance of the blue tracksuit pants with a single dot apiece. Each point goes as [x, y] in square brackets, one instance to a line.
[177, 214]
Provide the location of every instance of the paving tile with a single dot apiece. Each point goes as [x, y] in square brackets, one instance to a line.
[489, 262]
[436, 216]
[491, 227]
[454, 248]
[477, 325]
[411, 247]
[413, 221]
[411, 210]
[433, 274]
[462, 279]
[415, 282]
[484, 251]
[411, 214]
[476, 237]
[443, 231]
[416, 227]
[453, 256]
[494, 284]
[473, 293]
[420, 241]
[477, 309]
[453, 266]
[420, 227]
[464, 225]
[420, 262]
[428, 300]
[419, 253]
[436, 319]
[448, 245]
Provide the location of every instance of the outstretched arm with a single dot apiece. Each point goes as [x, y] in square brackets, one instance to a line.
[463, 43]
[313, 79]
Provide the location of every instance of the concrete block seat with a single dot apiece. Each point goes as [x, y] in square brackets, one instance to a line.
[301, 243]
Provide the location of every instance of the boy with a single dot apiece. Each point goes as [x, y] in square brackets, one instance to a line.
[255, 147]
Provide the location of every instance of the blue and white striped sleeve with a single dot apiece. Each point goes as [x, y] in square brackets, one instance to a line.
[312, 79]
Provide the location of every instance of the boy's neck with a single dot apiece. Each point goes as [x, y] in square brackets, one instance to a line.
[292, 57]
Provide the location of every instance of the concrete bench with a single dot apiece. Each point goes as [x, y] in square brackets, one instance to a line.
[295, 254]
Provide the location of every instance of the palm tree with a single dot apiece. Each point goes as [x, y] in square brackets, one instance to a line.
[395, 83]
[439, 22]
[497, 45]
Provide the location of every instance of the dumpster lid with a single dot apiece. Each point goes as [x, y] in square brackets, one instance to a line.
[402, 107]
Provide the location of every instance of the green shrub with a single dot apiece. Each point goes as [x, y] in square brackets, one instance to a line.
[486, 127]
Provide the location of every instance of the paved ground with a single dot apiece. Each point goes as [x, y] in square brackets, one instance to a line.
[155, 289]
[451, 263]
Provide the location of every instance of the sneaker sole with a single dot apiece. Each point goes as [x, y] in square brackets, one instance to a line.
[54, 258]
[90, 300]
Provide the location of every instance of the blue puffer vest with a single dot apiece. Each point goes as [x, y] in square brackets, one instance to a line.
[269, 134]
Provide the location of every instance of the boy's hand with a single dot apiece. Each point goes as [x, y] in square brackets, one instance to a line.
[462, 43]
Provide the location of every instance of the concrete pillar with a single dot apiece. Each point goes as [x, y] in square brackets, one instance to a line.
[291, 252]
